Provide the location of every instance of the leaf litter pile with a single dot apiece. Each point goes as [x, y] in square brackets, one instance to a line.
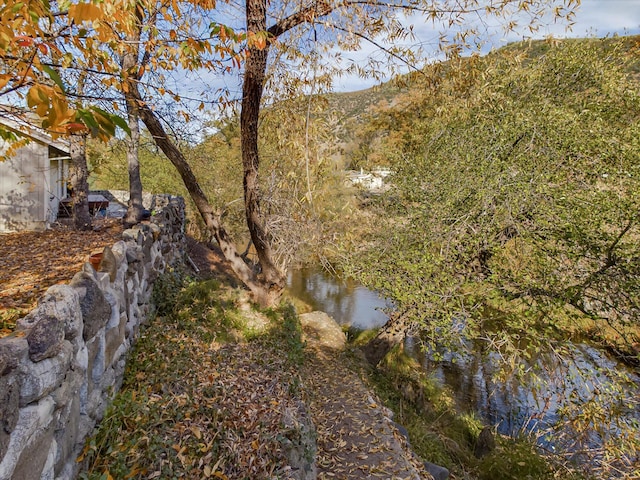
[208, 389]
[30, 262]
[197, 402]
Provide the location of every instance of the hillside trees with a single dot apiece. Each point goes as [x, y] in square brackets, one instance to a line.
[516, 201]
[343, 24]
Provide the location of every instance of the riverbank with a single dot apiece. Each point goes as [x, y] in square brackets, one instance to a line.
[217, 389]
[569, 398]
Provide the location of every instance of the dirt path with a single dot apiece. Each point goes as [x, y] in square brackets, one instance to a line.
[356, 437]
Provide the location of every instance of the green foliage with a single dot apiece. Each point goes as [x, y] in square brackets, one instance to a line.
[441, 434]
[514, 213]
[516, 460]
[166, 290]
[286, 332]
[516, 187]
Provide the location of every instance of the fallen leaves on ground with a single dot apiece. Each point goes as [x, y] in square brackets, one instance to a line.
[30, 262]
[194, 408]
[356, 439]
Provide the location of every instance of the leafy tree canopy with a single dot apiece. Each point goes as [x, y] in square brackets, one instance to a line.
[515, 203]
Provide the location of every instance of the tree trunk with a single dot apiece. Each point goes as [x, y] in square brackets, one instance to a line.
[135, 208]
[260, 291]
[252, 87]
[130, 65]
[78, 179]
[391, 334]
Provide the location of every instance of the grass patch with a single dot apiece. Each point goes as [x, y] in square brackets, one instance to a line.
[285, 332]
[358, 337]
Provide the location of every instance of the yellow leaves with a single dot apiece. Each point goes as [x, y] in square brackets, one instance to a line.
[213, 471]
[4, 80]
[85, 12]
[257, 40]
[12, 146]
[38, 98]
[205, 4]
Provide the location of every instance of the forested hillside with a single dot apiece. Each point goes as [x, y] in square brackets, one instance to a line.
[516, 180]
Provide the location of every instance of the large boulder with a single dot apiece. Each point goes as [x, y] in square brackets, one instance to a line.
[323, 330]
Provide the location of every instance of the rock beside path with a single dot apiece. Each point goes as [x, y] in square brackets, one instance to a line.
[322, 331]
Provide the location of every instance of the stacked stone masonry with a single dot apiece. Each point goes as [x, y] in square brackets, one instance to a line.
[64, 363]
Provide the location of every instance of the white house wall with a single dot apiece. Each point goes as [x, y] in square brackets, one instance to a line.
[23, 189]
[55, 186]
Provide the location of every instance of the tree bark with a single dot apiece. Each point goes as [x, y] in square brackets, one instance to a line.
[260, 291]
[78, 179]
[130, 66]
[135, 208]
[252, 88]
[391, 334]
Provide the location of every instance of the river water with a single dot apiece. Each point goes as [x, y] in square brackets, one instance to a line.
[343, 300]
[548, 396]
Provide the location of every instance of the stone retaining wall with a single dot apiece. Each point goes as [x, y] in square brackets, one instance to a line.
[64, 363]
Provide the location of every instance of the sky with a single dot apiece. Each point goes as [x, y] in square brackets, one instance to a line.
[597, 18]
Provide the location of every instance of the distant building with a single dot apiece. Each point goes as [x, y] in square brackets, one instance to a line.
[33, 180]
[374, 181]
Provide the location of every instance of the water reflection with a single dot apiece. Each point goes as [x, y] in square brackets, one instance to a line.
[574, 397]
[547, 395]
[343, 299]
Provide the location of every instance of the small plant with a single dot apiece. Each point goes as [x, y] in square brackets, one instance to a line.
[515, 460]
[292, 331]
[166, 289]
[8, 319]
[287, 331]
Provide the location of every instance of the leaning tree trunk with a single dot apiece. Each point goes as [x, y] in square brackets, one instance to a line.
[260, 291]
[391, 334]
[78, 179]
[252, 87]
